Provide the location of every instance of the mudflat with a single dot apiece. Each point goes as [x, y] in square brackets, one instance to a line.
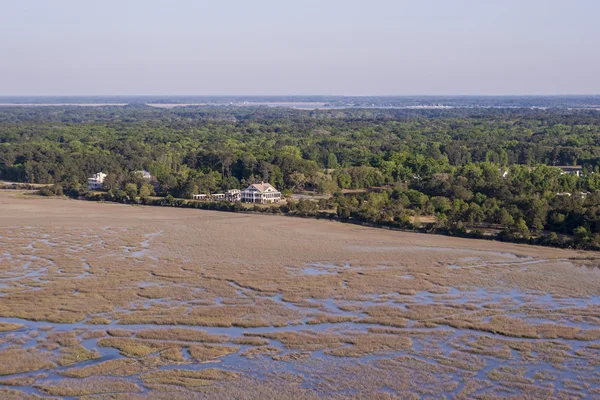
[135, 302]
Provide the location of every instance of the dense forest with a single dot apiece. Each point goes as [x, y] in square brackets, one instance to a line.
[471, 169]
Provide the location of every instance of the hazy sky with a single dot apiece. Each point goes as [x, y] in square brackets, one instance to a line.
[346, 47]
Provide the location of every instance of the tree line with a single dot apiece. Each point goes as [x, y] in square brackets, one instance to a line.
[469, 168]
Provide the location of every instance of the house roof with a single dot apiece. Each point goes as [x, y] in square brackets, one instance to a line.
[262, 187]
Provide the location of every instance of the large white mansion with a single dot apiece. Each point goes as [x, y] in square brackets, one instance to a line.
[262, 193]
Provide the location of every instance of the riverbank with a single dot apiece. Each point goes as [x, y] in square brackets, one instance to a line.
[308, 209]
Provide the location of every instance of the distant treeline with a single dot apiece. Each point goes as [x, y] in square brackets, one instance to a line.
[566, 101]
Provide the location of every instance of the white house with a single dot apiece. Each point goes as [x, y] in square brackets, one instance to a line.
[581, 195]
[262, 193]
[145, 175]
[231, 195]
[576, 170]
[96, 181]
[234, 195]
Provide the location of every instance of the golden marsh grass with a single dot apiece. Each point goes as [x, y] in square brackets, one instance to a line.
[125, 302]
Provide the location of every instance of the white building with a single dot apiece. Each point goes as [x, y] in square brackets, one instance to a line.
[145, 175]
[96, 181]
[262, 193]
[231, 195]
[234, 195]
[581, 195]
[576, 170]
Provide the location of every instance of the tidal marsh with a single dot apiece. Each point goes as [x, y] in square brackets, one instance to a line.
[132, 302]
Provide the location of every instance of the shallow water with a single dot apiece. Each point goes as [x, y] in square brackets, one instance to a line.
[240, 363]
[439, 353]
[425, 341]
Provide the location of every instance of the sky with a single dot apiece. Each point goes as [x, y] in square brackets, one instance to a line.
[279, 47]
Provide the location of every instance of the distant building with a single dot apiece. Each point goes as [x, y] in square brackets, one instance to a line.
[571, 170]
[96, 182]
[576, 170]
[231, 195]
[234, 195]
[262, 193]
[145, 175]
[581, 195]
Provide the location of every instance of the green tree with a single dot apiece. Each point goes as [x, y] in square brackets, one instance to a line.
[131, 190]
[521, 228]
[581, 233]
[332, 161]
[146, 190]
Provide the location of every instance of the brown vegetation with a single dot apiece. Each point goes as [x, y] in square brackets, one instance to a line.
[188, 379]
[16, 361]
[405, 307]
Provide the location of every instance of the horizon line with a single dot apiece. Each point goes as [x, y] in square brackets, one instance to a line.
[303, 95]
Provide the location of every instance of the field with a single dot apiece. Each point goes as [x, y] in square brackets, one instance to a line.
[109, 301]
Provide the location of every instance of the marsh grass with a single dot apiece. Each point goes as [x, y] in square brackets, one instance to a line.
[75, 354]
[17, 361]
[173, 354]
[119, 367]
[250, 341]
[435, 331]
[304, 340]
[254, 352]
[203, 353]
[330, 319]
[188, 379]
[87, 386]
[23, 381]
[365, 344]
[482, 345]
[98, 321]
[11, 394]
[131, 347]
[119, 333]
[181, 334]
[5, 327]
[501, 325]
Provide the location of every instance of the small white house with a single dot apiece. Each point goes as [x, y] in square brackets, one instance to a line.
[234, 195]
[580, 195]
[145, 175]
[96, 182]
[576, 170]
[262, 193]
[231, 195]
